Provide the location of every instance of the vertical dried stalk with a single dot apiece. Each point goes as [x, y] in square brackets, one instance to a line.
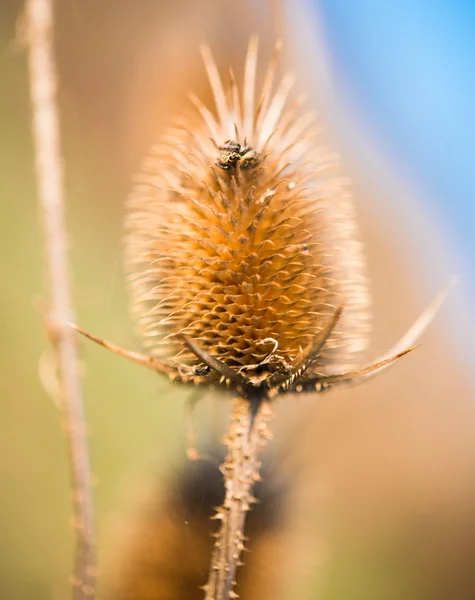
[39, 31]
[245, 444]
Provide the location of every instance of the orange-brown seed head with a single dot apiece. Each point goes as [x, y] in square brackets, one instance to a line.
[247, 249]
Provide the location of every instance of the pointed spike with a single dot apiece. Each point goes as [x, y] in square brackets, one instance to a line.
[219, 516]
[135, 357]
[267, 86]
[324, 382]
[236, 105]
[359, 374]
[424, 320]
[268, 127]
[250, 85]
[408, 339]
[215, 83]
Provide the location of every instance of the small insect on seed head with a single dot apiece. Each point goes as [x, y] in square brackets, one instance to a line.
[229, 154]
[249, 159]
[232, 154]
[241, 257]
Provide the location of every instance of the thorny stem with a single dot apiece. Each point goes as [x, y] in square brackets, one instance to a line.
[246, 440]
[42, 73]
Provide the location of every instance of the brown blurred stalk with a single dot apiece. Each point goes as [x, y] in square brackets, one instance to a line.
[42, 73]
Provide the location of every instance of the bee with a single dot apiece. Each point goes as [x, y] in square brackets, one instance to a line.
[232, 154]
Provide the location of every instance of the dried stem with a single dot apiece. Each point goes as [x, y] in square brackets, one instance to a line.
[42, 73]
[246, 440]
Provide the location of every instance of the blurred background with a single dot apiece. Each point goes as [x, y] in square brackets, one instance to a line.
[380, 479]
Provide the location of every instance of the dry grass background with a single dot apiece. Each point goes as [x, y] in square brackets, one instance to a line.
[382, 477]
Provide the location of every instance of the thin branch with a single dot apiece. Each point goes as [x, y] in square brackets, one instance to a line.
[42, 72]
[246, 441]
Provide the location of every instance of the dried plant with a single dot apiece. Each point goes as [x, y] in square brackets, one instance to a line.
[246, 273]
[38, 33]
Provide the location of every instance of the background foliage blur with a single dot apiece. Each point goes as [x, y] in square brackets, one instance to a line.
[384, 476]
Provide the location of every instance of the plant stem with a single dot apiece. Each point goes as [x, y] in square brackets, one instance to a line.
[246, 440]
[42, 73]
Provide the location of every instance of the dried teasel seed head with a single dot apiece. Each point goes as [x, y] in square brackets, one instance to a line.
[241, 235]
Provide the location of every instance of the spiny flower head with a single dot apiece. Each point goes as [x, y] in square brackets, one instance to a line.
[241, 235]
